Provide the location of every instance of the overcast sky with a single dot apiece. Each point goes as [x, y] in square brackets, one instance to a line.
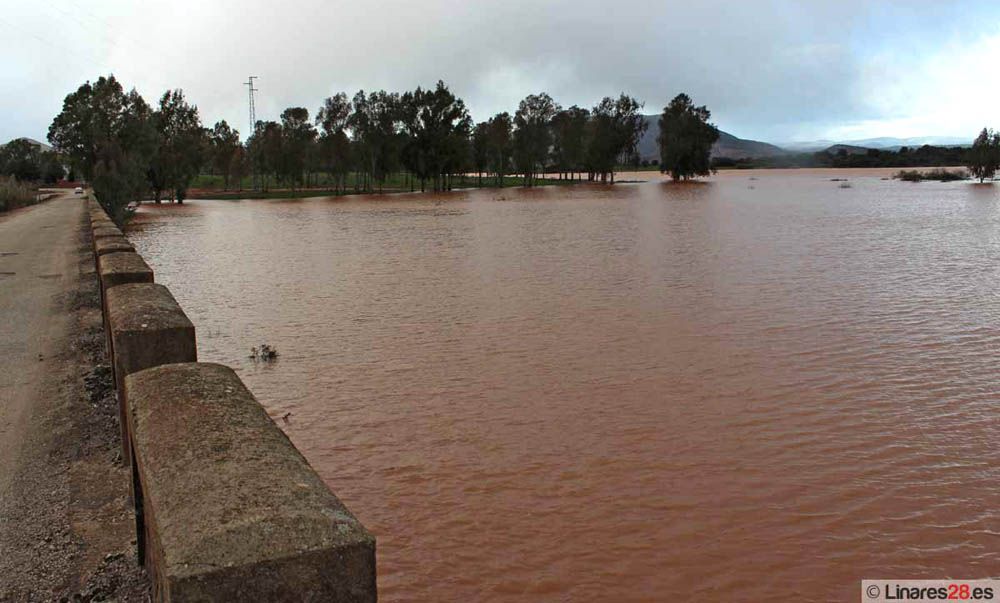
[775, 71]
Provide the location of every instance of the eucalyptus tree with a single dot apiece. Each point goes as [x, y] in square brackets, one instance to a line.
[601, 152]
[375, 126]
[24, 161]
[51, 167]
[384, 108]
[630, 125]
[106, 134]
[532, 134]
[480, 150]
[224, 146]
[500, 145]
[180, 142]
[297, 138]
[334, 145]
[21, 159]
[983, 159]
[438, 126]
[412, 153]
[686, 139]
[238, 166]
[255, 154]
[570, 137]
[265, 151]
[91, 117]
[363, 137]
[615, 129]
[456, 150]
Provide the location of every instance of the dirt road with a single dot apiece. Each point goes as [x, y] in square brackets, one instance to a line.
[65, 520]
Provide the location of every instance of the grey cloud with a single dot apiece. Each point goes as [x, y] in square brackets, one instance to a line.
[766, 69]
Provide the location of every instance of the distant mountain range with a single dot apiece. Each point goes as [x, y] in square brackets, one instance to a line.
[733, 147]
[850, 149]
[888, 143]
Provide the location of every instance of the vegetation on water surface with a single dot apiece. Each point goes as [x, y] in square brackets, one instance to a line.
[14, 194]
[941, 175]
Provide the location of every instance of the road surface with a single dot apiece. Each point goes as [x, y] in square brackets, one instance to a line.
[65, 525]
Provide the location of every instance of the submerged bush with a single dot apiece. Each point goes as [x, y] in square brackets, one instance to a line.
[14, 194]
[945, 176]
[939, 174]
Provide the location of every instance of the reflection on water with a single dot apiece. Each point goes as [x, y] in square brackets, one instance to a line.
[735, 390]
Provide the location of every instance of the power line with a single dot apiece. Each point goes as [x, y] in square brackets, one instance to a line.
[100, 34]
[72, 53]
[93, 18]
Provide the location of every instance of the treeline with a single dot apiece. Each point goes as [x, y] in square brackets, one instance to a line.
[27, 162]
[128, 149]
[924, 156]
[429, 136]
[983, 159]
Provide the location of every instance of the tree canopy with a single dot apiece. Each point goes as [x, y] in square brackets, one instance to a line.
[570, 139]
[108, 137]
[226, 152]
[181, 145]
[21, 159]
[983, 159]
[533, 134]
[686, 139]
[617, 125]
[334, 145]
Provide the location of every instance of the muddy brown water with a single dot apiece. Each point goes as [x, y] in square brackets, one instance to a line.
[761, 386]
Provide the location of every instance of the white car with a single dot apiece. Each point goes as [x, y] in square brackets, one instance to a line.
[78, 191]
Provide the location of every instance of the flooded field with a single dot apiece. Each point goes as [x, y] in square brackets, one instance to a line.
[766, 385]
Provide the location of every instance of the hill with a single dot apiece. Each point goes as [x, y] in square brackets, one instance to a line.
[882, 143]
[41, 146]
[728, 146]
[847, 148]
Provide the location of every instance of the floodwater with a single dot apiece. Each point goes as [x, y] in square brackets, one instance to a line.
[761, 387]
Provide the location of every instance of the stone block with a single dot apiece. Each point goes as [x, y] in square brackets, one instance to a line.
[229, 508]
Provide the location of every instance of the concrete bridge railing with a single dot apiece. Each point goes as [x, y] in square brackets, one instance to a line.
[147, 328]
[232, 511]
[226, 507]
